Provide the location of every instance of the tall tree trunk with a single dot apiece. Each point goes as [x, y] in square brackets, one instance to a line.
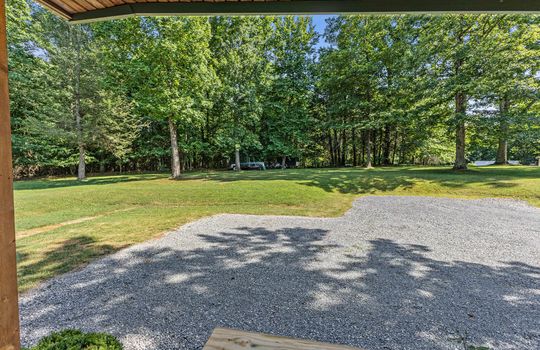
[502, 150]
[175, 154]
[237, 159]
[102, 165]
[337, 148]
[368, 149]
[283, 162]
[387, 145]
[353, 137]
[81, 171]
[394, 149]
[460, 162]
[402, 149]
[363, 155]
[344, 148]
[379, 147]
[331, 148]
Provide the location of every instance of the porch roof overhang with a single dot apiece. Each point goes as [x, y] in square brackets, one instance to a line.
[81, 11]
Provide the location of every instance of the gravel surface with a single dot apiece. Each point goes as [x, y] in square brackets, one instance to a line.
[392, 273]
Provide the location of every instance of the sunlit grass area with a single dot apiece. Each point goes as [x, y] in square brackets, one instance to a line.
[64, 223]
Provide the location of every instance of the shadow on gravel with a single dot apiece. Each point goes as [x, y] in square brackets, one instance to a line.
[385, 295]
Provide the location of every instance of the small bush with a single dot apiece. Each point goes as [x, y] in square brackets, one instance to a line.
[76, 340]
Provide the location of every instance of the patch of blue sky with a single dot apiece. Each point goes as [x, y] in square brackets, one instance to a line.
[319, 21]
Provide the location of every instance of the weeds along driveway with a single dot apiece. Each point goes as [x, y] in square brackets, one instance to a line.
[393, 273]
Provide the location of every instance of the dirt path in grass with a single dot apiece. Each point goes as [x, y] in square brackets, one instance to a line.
[48, 228]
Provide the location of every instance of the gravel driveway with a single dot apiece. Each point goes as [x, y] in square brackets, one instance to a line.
[393, 273]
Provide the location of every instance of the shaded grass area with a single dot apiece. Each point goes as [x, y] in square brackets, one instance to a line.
[127, 209]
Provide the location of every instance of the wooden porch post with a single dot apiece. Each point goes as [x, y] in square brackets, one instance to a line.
[9, 308]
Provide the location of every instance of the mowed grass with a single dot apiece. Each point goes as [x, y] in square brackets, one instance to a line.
[63, 224]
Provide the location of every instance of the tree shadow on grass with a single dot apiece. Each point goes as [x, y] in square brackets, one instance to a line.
[343, 180]
[293, 281]
[61, 258]
[385, 179]
[361, 185]
[493, 177]
[355, 181]
[73, 182]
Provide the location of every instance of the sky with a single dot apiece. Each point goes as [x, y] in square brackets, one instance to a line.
[320, 25]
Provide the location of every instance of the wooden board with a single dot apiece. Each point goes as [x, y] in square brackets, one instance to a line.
[231, 339]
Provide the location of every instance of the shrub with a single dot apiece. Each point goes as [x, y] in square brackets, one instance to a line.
[71, 339]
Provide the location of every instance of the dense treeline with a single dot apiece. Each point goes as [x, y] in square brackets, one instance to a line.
[177, 93]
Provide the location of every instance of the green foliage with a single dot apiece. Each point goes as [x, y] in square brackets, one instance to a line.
[373, 82]
[52, 68]
[382, 92]
[240, 60]
[77, 340]
[286, 117]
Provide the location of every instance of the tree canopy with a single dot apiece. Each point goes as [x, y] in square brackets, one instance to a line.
[182, 93]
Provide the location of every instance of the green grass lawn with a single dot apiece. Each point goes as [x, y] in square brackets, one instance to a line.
[63, 223]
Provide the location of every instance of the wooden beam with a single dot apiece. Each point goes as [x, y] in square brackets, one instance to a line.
[9, 308]
[232, 339]
[307, 7]
[54, 8]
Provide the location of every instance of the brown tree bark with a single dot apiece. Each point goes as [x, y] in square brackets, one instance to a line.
[237, 166]
[81, 170]
[460, 162]
[175, 153]
[343, 148]
[387, 145]
[502, 150]
[368, 149]
[379, 147]
[337, 148]
[394, 148]
[331, 148]
[363, 148]
[353, 137]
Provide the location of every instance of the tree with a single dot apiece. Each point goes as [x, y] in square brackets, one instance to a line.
[511, 82]
[31, 110]
[137, 93]
[168, 60]
[349, 78]
[119, 126]
[459, 44]
[240, 51]
[70, 57]
[372, 79]
[287, 106]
